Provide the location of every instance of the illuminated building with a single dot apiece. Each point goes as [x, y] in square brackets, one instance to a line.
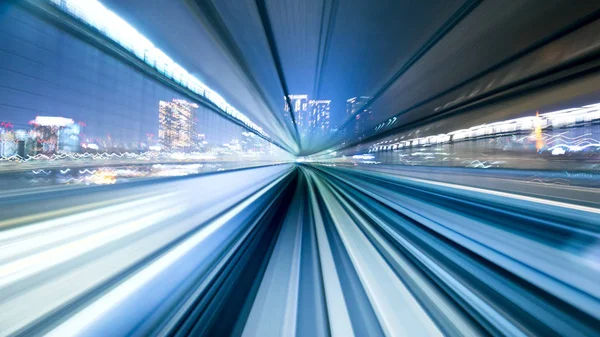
[202, 143]
[319, 113]
[7, 140]
[177, 125]
[361, 116]
[252, 143]
[55, 134]
[299, 106]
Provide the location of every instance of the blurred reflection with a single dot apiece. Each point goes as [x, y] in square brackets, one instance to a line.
[67, 105]
[560, 140]
[106, 175]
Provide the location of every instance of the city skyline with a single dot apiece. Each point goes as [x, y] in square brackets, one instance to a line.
[177, 125]
[319, 118]
[312, 117]
[300, 108]
[360, 115]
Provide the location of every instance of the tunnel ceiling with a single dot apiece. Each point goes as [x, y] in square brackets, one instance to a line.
[417, 60]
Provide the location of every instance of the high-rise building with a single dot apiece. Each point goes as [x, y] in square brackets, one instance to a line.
[252, 143]
[55, 134]
[7, 140]
[354, 107]
[355, 103]
[300, 108]
[177, 125]
[318, 118]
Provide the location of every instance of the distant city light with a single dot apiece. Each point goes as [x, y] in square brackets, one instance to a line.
[177, 125]
[52, 121]
[363, 156]
[312, 113]
[556, 119]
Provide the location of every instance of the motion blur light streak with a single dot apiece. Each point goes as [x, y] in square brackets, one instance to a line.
[125, 224]
[433, 168]
[397, 310]
[465, 232]
[77, 324]
[94, 13]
